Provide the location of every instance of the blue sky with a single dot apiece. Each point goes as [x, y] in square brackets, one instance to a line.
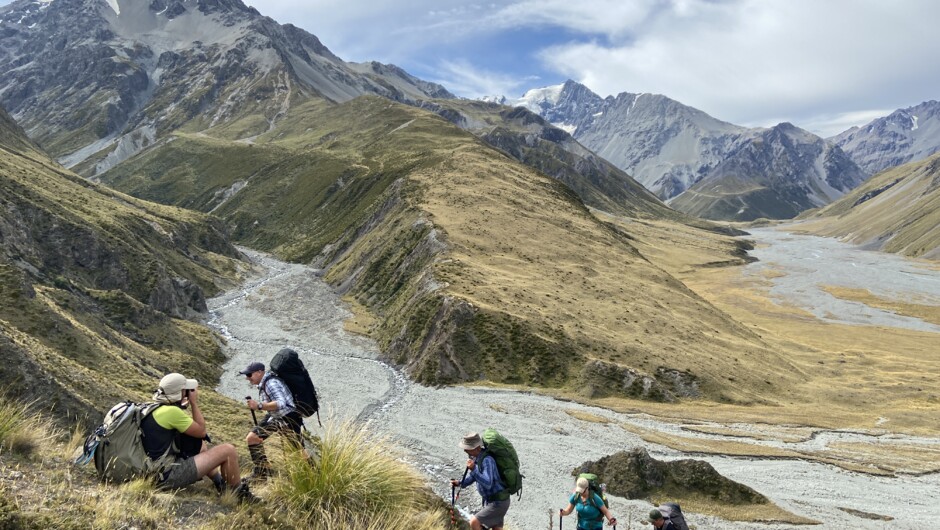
[823, 65]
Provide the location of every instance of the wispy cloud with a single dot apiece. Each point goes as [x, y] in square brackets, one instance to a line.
[462, 77]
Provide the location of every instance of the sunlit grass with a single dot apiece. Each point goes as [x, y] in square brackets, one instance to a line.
[357, 482]
[22, 431]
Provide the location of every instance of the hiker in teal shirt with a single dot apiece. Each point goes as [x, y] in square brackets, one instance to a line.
[590, 506]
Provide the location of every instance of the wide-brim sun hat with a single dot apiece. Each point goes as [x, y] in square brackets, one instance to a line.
[471, 442]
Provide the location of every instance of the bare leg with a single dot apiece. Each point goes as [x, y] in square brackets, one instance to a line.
[221, 456]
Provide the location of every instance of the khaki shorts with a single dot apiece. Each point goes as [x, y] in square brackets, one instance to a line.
[180, 474]
[492, 515]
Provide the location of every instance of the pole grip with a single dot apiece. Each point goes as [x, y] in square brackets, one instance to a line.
[253, 417]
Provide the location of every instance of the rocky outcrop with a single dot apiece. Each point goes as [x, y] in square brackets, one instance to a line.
[636, 475]
[599, 379]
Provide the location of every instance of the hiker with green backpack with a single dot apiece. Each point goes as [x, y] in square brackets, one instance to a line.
[591, 506]
[488, 455]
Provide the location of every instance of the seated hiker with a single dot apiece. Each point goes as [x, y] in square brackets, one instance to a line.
[590, 506]
[276, 399]
[660, 522]
[169, 428]
[482, 470]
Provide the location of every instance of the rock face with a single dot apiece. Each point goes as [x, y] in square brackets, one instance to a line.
[906, 135]
[99, 81]
[670, 148]
[636, 475]
[778, 174]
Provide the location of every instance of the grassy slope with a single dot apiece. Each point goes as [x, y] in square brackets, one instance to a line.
[897, 210]
[77, 270]
[476, 264]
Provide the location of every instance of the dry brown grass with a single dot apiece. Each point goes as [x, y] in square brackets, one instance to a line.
[544, 263]
[586, 416]
[927, 313]
[767, 513]
[768, 432]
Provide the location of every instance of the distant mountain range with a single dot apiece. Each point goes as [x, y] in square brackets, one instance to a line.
[731, 172]
[906, 135]
[714, 169]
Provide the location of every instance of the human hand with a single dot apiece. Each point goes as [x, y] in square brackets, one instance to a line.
[192, 395]
[471, 464]
[454, 482]
[253, 405]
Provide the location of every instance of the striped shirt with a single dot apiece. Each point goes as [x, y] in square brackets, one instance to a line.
[272, 388]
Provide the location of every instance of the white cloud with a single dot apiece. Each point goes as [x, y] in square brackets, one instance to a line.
[810, 62]
[461, 77]
[742, 61]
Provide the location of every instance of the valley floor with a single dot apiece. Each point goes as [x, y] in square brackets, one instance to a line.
[840, 464]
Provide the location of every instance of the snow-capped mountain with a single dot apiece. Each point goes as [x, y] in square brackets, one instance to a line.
[670, 147]
[98, 80]
[906, 135]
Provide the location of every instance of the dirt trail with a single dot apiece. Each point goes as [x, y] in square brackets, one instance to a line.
[290, 305]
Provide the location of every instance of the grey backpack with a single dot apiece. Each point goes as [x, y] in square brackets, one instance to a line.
[117, 447]
[672, 512]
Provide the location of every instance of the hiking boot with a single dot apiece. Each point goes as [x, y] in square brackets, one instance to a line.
[260, 474]
[244, 496]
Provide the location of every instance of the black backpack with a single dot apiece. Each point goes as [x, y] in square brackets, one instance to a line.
[288, 367]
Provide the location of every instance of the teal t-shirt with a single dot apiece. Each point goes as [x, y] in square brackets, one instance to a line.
[589, 512]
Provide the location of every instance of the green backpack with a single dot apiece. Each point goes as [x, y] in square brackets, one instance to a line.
[507, 461]
[595, 487]
[117, 448]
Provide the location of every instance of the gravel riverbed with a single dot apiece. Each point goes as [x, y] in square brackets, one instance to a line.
[289, 305]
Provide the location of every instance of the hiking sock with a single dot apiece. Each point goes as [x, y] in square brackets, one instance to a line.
[218, 482]
[260, 460]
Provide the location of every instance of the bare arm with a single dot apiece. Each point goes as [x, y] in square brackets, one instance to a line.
[568, 510]
[198, 428]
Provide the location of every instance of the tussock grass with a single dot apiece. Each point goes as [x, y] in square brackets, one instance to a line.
[586, 416]
[358, 483]
[22, 431]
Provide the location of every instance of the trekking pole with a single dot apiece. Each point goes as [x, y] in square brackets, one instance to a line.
[253, 417]
[455, 498]
[560, 518]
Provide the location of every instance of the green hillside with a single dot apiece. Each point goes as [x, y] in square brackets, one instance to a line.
[95, 285]
[475, 264]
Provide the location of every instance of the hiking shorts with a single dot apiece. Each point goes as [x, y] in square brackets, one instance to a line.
[288, 425]
[180, 474]
[491, 516]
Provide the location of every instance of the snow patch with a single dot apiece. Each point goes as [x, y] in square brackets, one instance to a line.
[533, 99]
[913, 123]
[567, 127]
[114, 5]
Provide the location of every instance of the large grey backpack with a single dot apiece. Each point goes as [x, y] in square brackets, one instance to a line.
[118, 448]
[671, 511]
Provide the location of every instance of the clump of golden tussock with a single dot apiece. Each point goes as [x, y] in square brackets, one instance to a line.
[356, 482]
[23, 431]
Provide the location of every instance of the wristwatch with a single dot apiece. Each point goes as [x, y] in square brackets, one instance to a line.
[260, 404]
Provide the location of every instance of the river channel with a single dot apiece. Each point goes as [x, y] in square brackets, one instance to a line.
[289, 305]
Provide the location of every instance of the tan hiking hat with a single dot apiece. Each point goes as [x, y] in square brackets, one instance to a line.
[471, 441]
[172, 386]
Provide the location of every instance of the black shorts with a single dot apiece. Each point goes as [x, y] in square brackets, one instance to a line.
[289, 425]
